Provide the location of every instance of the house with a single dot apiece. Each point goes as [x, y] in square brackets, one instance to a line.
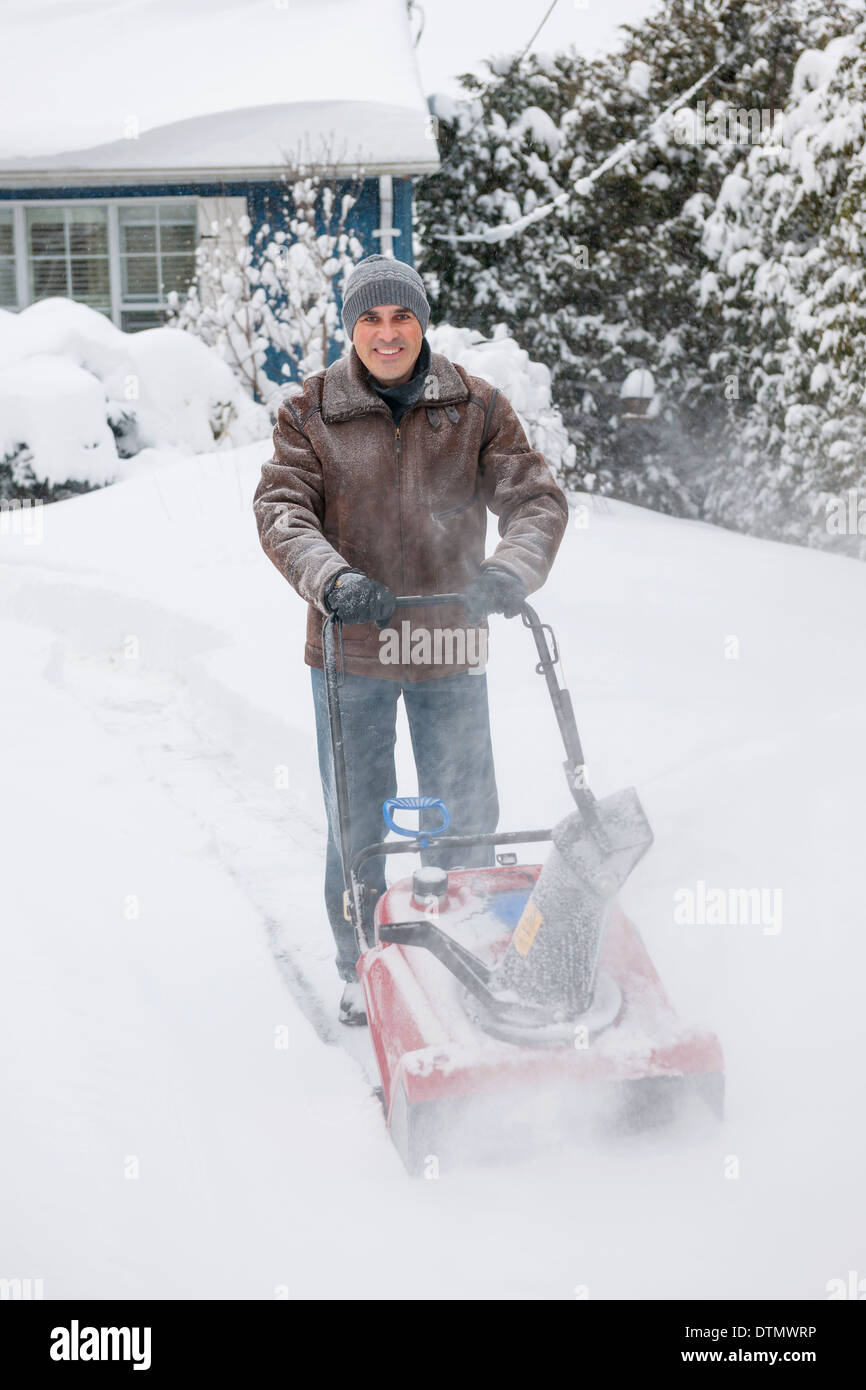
[127, 125]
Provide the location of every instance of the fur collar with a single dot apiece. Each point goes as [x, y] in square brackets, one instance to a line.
[347, 392]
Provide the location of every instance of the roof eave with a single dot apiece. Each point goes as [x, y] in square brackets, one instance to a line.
[269, 174]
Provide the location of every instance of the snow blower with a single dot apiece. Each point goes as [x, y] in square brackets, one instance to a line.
[500, 998]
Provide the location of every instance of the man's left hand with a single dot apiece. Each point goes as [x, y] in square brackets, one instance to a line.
[493, 591]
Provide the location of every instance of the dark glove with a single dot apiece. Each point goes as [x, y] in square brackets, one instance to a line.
[493, 591]
[355, 598]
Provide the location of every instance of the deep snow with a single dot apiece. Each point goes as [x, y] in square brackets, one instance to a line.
[159, 759]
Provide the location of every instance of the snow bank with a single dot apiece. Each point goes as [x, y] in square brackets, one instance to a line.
[160, 388]
[69, 440]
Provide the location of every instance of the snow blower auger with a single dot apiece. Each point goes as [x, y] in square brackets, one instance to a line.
[502, 1000]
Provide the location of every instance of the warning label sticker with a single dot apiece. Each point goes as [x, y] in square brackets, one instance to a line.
[526, 930]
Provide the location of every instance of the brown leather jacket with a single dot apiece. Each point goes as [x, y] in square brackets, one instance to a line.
[407, 506]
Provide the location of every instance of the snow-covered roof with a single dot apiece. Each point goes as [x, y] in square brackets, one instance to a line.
[115, 87]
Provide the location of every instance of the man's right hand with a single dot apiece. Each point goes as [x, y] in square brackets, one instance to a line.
[355, 598]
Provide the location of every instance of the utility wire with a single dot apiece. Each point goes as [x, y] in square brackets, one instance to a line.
[515, 64]
[507, 230]
[537, 32]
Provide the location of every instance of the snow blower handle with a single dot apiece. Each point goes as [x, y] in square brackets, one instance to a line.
[415, 803]
[548, 653]
[575, 765]
[575, 771]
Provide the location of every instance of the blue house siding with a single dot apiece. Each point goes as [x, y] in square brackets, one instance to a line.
[264, 205]
[403, 196]
[364, 220]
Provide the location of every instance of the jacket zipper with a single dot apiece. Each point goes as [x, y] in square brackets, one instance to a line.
[397, 451]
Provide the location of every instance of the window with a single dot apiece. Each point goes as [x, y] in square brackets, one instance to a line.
[8, 291]
[122, 257]
[67, 253]
[157, 255]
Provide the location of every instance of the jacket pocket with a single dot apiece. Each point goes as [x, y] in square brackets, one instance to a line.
[452, 511]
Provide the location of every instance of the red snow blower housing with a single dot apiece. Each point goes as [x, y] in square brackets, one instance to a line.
[501, 997]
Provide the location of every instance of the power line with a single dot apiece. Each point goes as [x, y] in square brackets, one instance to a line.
[537, 32]
[515, 64]
[506, 230]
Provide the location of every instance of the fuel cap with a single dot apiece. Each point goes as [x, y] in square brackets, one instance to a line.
[429, 882]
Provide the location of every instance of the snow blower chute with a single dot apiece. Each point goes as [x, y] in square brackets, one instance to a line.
[487, 988]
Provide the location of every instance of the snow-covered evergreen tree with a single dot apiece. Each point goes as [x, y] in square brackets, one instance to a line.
[611, 278]
[787, 238]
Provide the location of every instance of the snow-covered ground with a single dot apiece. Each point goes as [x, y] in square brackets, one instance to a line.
[183, 1117]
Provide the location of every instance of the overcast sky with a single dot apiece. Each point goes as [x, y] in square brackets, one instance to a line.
[458, 34]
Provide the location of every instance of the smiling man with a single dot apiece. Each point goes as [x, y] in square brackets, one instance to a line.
[388, 340]
[385, 466]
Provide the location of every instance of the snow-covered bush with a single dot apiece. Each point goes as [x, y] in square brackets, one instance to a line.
[79, 398]
[53, 427]
[505, 364]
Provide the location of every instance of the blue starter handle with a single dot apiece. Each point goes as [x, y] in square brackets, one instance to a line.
[415, 803]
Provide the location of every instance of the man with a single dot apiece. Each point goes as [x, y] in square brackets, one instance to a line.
[376, 489]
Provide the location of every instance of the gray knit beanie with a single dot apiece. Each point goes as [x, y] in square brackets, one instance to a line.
[383, 280]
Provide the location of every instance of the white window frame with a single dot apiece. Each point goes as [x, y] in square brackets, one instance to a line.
[19, 267]
[118, 308]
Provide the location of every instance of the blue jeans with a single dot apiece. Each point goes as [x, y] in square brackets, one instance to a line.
[449, 726]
